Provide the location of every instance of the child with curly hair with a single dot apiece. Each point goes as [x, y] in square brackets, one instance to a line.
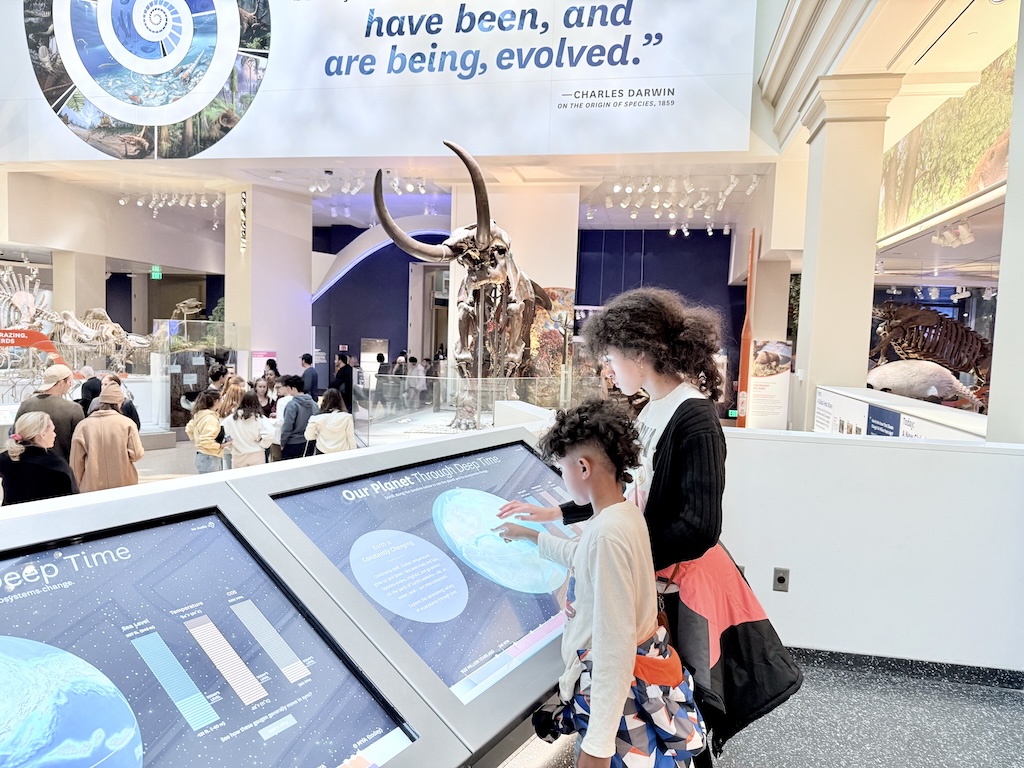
[624, 689]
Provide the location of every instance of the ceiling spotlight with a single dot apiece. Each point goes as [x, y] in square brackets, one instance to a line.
[346, 186]
[334, 212]
[590, 213]
[961, 293]
[625, 202]
[156, 212]
[966, 232]
[655, 203]
[645, 185]
[628, 188]
[421, 187]
[937, 238]
[276, 176]
[632, 214]
[141, 201]
[754, 181]
[216, 225]
[933, 293]
[686, 231]
[323, 184]
[183, 200]
[892, 290]
[727, 230]
[687, 185]
[123, 200]
[410, 187]
[689, 212]
[672, 230]
[608, 201]
[357, 186]
[174, 199]
[919, 293]
[657, 214]
[879, 267]
[656, 186]
[218, 200]
[950, 237]
[711, 229]
[671, 214]
[707, 214]
[203, 202]
[346, 211]
[312, 187]
[395, 186]
[639, 201]
[616, 187]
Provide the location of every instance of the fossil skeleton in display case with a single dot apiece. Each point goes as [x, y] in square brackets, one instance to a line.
[921, 333]
[497, 301]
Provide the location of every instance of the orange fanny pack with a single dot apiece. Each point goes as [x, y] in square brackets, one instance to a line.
[660, 670]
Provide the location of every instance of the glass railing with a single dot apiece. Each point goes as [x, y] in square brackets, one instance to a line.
[391, 406]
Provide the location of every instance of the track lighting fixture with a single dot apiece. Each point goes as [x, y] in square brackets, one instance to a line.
[216, 225]
[590, 213]
[616, 187]
[141, 201]
[961, 293]
[608, 201]
[657, 214]
[191, 200]
[312, 187]
[628, 188]
[754, 181]
[122, 200]
[410, 187]
[727, 230]
[625, 202]
[203, 202]
[632, 214]
[892, 290]
[639, 201]
[347, 212]
[671, 214]
[218, 200]
[334, 212]
[711, 229]
[688, 186]
[989, 294]
[655, 203]
[919, 293]
[396, 187]
[421, 187]
[933, 293]
[707, 214]
[656, 186]
[689, 212]
[879, 267]
[671, 186]
[672, 230]
[686, 231]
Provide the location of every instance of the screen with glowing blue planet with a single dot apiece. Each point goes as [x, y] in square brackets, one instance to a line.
[171, 646]
[419, 542]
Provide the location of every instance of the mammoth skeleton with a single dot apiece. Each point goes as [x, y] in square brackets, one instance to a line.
[497, 302]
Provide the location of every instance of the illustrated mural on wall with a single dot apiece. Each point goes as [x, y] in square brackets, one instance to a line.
[138, 79]
[960, 149]
[497, 301]
[918, 333]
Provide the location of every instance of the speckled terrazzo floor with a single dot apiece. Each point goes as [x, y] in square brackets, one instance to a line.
[865, 714]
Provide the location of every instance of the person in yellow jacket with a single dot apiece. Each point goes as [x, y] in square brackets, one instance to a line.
[204, 431]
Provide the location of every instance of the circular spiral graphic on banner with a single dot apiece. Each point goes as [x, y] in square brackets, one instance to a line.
[149, 78]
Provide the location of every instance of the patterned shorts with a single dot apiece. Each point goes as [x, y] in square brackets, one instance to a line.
[660, 725]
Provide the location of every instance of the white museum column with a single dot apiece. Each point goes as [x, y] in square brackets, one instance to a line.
[846, 120]
[1005, 404]
[543, 225]
[79, 281]
[268, 239]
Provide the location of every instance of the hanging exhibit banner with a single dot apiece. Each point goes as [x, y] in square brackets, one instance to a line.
[768, 394]
[142, 79]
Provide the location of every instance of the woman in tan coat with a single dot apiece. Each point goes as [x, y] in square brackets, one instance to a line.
[106, 445]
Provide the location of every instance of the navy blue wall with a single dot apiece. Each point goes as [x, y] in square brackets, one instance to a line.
[613, 261]
[333, 239]
[370, 301]
[214, 293]
[119, 300]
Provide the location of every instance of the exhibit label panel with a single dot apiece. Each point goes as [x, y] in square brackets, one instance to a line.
[87, 79]
[419, 543]
[170, 646]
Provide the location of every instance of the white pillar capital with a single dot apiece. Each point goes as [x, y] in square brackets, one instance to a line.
[849, 99]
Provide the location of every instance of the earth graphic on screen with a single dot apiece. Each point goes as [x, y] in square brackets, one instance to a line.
[465, 518]
[56, 709]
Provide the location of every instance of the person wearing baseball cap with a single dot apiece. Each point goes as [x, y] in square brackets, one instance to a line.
[50, 397]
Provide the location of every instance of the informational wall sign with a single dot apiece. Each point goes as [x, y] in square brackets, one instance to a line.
[768, 398]
[180, 78]
[844, 414]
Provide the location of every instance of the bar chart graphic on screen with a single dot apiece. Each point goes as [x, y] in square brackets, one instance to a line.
[279, 651]
[226, 659]
[194, 707]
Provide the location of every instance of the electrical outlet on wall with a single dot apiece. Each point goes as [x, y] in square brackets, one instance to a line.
[780, 580]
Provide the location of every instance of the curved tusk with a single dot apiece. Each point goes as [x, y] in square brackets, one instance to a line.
[483, 206]
[408, 244]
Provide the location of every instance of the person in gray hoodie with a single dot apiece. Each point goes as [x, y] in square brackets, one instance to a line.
[296, 417]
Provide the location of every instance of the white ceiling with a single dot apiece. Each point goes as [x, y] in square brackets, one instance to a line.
[955, 36]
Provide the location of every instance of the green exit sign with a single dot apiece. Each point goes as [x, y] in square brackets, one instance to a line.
[733, 414]
[155, 273]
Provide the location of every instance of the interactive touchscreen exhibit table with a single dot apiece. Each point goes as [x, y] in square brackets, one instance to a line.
[403, 540]
[173, 629]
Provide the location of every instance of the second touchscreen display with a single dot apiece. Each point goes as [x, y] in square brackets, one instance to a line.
[419, 543]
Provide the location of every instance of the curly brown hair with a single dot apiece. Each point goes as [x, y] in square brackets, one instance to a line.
[601, 423]
[674, 336]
